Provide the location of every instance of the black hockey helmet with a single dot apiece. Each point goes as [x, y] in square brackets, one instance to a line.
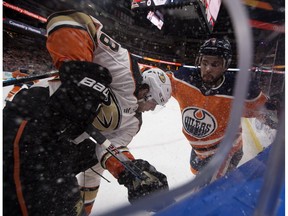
[216, 47]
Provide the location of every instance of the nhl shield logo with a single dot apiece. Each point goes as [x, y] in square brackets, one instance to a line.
[198, 123]
[162, 77]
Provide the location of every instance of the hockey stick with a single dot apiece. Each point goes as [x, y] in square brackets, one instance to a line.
[102, 140]
[28, 79]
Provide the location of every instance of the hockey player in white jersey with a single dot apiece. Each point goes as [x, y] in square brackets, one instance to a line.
[46, 146]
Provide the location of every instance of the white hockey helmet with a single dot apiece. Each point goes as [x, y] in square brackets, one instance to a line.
[159, 84]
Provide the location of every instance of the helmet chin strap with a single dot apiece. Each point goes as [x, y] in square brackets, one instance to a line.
[145, 98]
[141, 100]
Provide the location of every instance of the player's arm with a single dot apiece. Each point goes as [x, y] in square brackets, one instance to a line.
[66, 44]
[255, 101]
[69, 38]
[84, 87]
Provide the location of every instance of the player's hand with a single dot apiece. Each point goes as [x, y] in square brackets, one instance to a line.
[84, 87]
[137, 189]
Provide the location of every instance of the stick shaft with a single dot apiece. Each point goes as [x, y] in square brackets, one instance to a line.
[28, 79]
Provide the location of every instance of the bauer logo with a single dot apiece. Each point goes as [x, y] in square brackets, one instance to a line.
[95, 85]
[198, 122]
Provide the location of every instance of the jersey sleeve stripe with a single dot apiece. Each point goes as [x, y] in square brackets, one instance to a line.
[60, 24]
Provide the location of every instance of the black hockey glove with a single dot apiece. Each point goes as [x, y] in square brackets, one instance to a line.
[77, 101]
[137, 188]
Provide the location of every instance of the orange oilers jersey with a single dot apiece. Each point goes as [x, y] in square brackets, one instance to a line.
[206, 112]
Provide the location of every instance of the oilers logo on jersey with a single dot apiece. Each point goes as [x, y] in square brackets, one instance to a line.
[198, 122]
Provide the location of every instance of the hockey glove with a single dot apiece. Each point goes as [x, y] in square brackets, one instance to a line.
[78, 99]
[137, 188]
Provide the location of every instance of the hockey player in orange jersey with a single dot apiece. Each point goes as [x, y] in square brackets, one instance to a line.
[45, 139]
[205, 97]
